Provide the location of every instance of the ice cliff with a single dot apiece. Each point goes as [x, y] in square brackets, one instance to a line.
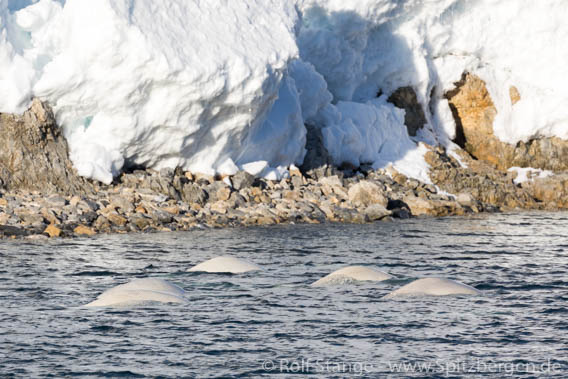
[221, 85]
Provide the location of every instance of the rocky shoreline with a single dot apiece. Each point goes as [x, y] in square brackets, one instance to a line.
[170, 200]
[41, 195]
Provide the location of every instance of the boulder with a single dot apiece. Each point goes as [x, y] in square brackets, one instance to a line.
[242, 179]
[34, 154]
[366, 193]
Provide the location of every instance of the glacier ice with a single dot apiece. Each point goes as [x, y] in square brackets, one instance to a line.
[219, 86]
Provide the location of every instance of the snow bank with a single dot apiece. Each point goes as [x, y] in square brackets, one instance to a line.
[219, 86]
[159, 84]
[376, 46]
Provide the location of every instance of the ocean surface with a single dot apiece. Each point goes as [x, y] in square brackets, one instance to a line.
[272, 323]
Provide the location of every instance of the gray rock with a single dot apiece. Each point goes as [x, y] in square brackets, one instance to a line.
[214, 191]
[376, 212]
[141, 221]
[193, 193]
[124, 203]
[167, 173]
[161, 217]
[88, 218]
[55, 201]
[317, 156]
[242, 179]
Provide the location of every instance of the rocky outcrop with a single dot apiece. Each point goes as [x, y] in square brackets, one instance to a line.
[414, 118]
[474, 113]
[34, 154]
[544, 153]
[551, 191]
[480, 180]
[481, 184]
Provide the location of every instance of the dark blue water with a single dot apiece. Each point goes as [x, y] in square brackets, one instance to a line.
[274, 324]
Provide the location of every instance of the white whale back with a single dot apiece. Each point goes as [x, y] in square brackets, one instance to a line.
[352, 273]
[433, 287]
[226, 264]
[138, 291]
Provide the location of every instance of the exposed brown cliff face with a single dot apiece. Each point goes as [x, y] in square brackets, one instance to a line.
[474, 113]
[34, 154]
[414, 118]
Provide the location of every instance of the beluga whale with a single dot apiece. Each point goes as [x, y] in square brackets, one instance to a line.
[226, 264]
[352, 274]
[140, 291]
[433, 287]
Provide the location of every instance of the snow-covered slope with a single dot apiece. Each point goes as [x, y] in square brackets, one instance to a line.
[215, 86]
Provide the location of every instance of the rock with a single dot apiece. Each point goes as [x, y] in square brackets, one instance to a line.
[514, 95]
[193, 193]
[3, 202]
[419, 206]
[167, 173]
[291, 195]
[116, 219]
[141, 209]
[545, 153]
[366, 193]
[12, 231]
[52, 231]
[49, 216]
[219, 207]
[214, 192]
[124, 202]
[160, 217]
[332, 181]
[223, 194]
[83, 230]
[173, 210]
[474, 113]
[552, 190]
[88, 217]
[376, 212]
[484, 183]
[317, 156]
[141, 221]
[465, 199]
[237, 200]
[414, 118]
[242, 179]
[31, 218]
[401, 213]
[34, 154]
[101, 224]
[297, 182]
[75, 200]
[55, 201]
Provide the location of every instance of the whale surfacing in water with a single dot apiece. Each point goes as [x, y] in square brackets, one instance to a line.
[140, 291]
[226, 264]
[352, 274]
[433, 287]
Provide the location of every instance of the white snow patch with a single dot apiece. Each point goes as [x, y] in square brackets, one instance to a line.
[525, 174]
